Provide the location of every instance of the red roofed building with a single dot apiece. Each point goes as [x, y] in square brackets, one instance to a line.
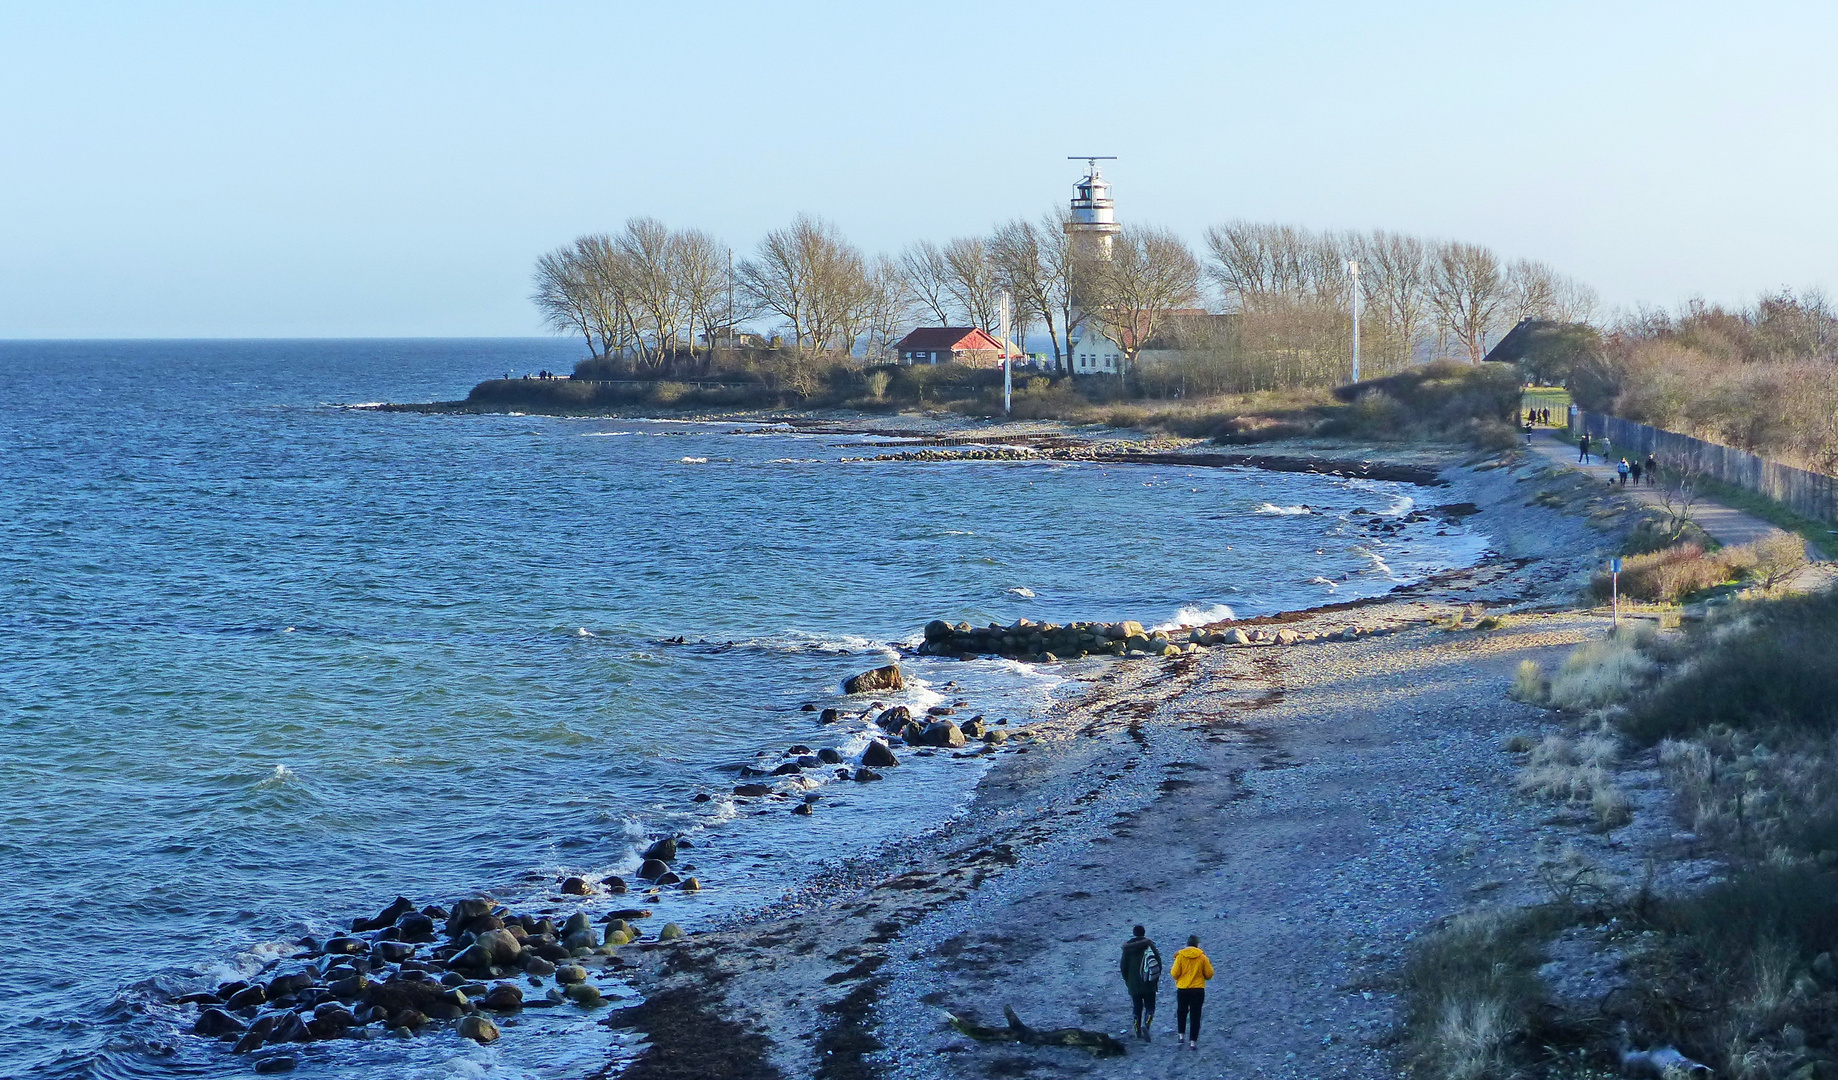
[949, 344]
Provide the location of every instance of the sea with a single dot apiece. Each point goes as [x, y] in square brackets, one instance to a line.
[270, 657]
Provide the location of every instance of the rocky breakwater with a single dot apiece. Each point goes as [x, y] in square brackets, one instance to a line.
[1049, 642]
[411, 969]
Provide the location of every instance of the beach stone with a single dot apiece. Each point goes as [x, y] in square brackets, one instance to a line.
[575, 886]
[943, 734]
[663, 850]
[584, 994]
[251, 1040]
[444, 1010]
[503, 997]
[802, 809]
[415, 927]
[788, 769]
[1287, 636]
[881, 678]
[879, 756]
[973, 728]
[895, 718]
[863, 776]
[614, 883]
[289, 1028]
[1239, 637]
[349, 988]
[474, 957]
[280, 1063]
[995, 736]
[750, 791]
[652, 869]
[670, 932]
[215, 1023]
[248, 997]
[937, 630]
[284, 985]
[668, 877]
[691, 885]
[537, 966]
[829, 716]
[570, 973]
[829, 756]
[402, 906]
[501, 946]
[394, 952]
[479, 1028]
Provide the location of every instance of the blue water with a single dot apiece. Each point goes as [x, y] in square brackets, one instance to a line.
[267, 662]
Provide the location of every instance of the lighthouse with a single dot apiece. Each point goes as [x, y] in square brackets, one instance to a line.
[1089, 232]
[1094, 217]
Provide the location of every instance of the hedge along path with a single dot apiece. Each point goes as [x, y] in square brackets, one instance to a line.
[1725, 524]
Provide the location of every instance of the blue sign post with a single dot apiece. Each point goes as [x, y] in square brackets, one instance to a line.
[1614, 586]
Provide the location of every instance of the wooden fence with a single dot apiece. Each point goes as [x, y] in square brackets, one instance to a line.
[1808, 494]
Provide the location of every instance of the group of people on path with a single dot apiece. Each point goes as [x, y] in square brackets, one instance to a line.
[1625, 469]
[1142, 973]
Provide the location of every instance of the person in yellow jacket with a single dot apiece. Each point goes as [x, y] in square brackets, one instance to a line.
[1191, 970]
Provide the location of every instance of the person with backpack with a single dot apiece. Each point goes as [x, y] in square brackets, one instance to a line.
[1191, 970]
[1583, 447]
[1142, 973]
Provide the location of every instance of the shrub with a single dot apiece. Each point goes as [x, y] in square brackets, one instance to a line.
[1778, 557]
[1529, 683]
[1667, 575]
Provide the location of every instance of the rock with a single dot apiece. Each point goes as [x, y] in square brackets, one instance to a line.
[881, 678]
[895, 718]
[387, 917]
[503, 997]
[691, 885]
[802, 809]
[750, 791]
[289, 1028]
[474, 957]
[350, 988]
[652, 869]
[415, 927]
[663, 850]
[995, 736]
[829, 756]
[288, 984]
[1239, 637]
[330, 1021]
[1128, 629]
[788, 769]
[670, 932]
[937, 630]
[215, 1023]
[616, 938]
[280, 1063]
[251, 1040]
[1287, 636]
[973, 728]
[879, 756]
[575, 886]
[501, 947]
[668, 877]
[863, 776]
[345, 946]
[584, 994]
[200, 998]
[466, 913]
[829, 716]
[943, 734]
[480, 1028]
[701, 796]
[444, 1010]
[537, 966]
[628, 913]
[248, 998]
[570, 973]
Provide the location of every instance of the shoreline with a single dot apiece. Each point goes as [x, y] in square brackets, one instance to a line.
[852, 1013]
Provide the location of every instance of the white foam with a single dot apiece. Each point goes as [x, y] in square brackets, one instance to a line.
[281, 775]
[1197, 615]
[694, 460]
[1377, 563]
[1023, 591]
[1286, 511]
[1317, 580]
[582, 631]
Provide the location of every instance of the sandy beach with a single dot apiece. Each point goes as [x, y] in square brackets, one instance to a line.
[1305, 810]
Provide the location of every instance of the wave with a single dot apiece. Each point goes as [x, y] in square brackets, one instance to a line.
[694, 460]
[1022, 591]
[1286, 511]
[281, 775]
[1197, 615]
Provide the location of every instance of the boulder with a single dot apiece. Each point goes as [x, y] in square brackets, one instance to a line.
[387, 917]
[829, 756]
[345, 946]
[253, 1038]
[466, 913]
[750, 791]
[652, 869]
[937, 630]
[283, 985]
[503, 997]
[584, 994]
[350, 988]
[995, 736]
[670, 932]
[895, 718]
[394, 952]
[215, 1023]
[943, 734]
[1238, 636]
[501, 947]
[788, 769]
[479, 1028]
[570, 973]
[663, 850]
[537, 966]
[691, 885]
[802, 809]
[878, 756]
[575, 886]
[668, 877]
[474, 958]
[1287, 636]
[863, 776]
[881, 678]
[829, 716]
[973, 728]
[415, 927]
[279, 1063]
[614, 883]
[247, 998]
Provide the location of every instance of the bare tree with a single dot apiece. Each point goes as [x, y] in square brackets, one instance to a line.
[889, 307]
[608, 292]
[1030, 265]
[1150, 272]
[1392, 278]
[971, 280]
[928, 278]
[698, 270]
[650, 255]
[811, 278]
[1574, 302]
[562, 295]
[1468, 292]
[1531, 291]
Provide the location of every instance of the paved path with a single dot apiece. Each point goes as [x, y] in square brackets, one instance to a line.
[1726, 525]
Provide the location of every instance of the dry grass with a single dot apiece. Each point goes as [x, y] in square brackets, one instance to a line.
[1602, 673]
[1580, 773]
[1471, 987]
[1673, 573]
[1530, 684]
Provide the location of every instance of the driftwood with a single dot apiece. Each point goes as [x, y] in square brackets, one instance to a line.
[1100, 1044]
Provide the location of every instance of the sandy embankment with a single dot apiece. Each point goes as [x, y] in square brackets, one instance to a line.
[1303, 809]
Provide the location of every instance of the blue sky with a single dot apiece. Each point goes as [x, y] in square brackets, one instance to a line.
[334, 169]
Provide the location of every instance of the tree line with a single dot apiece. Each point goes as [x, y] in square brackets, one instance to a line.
[1282, 295]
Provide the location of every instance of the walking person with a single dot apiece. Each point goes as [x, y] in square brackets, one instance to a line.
[1652, 470]
[1142, 973]
[1622, 470]
[1191, 970]
[1583, 448]
[1634, 471]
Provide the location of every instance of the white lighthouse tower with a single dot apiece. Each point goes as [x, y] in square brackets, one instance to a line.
[1089, 231]
[1094, 218]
